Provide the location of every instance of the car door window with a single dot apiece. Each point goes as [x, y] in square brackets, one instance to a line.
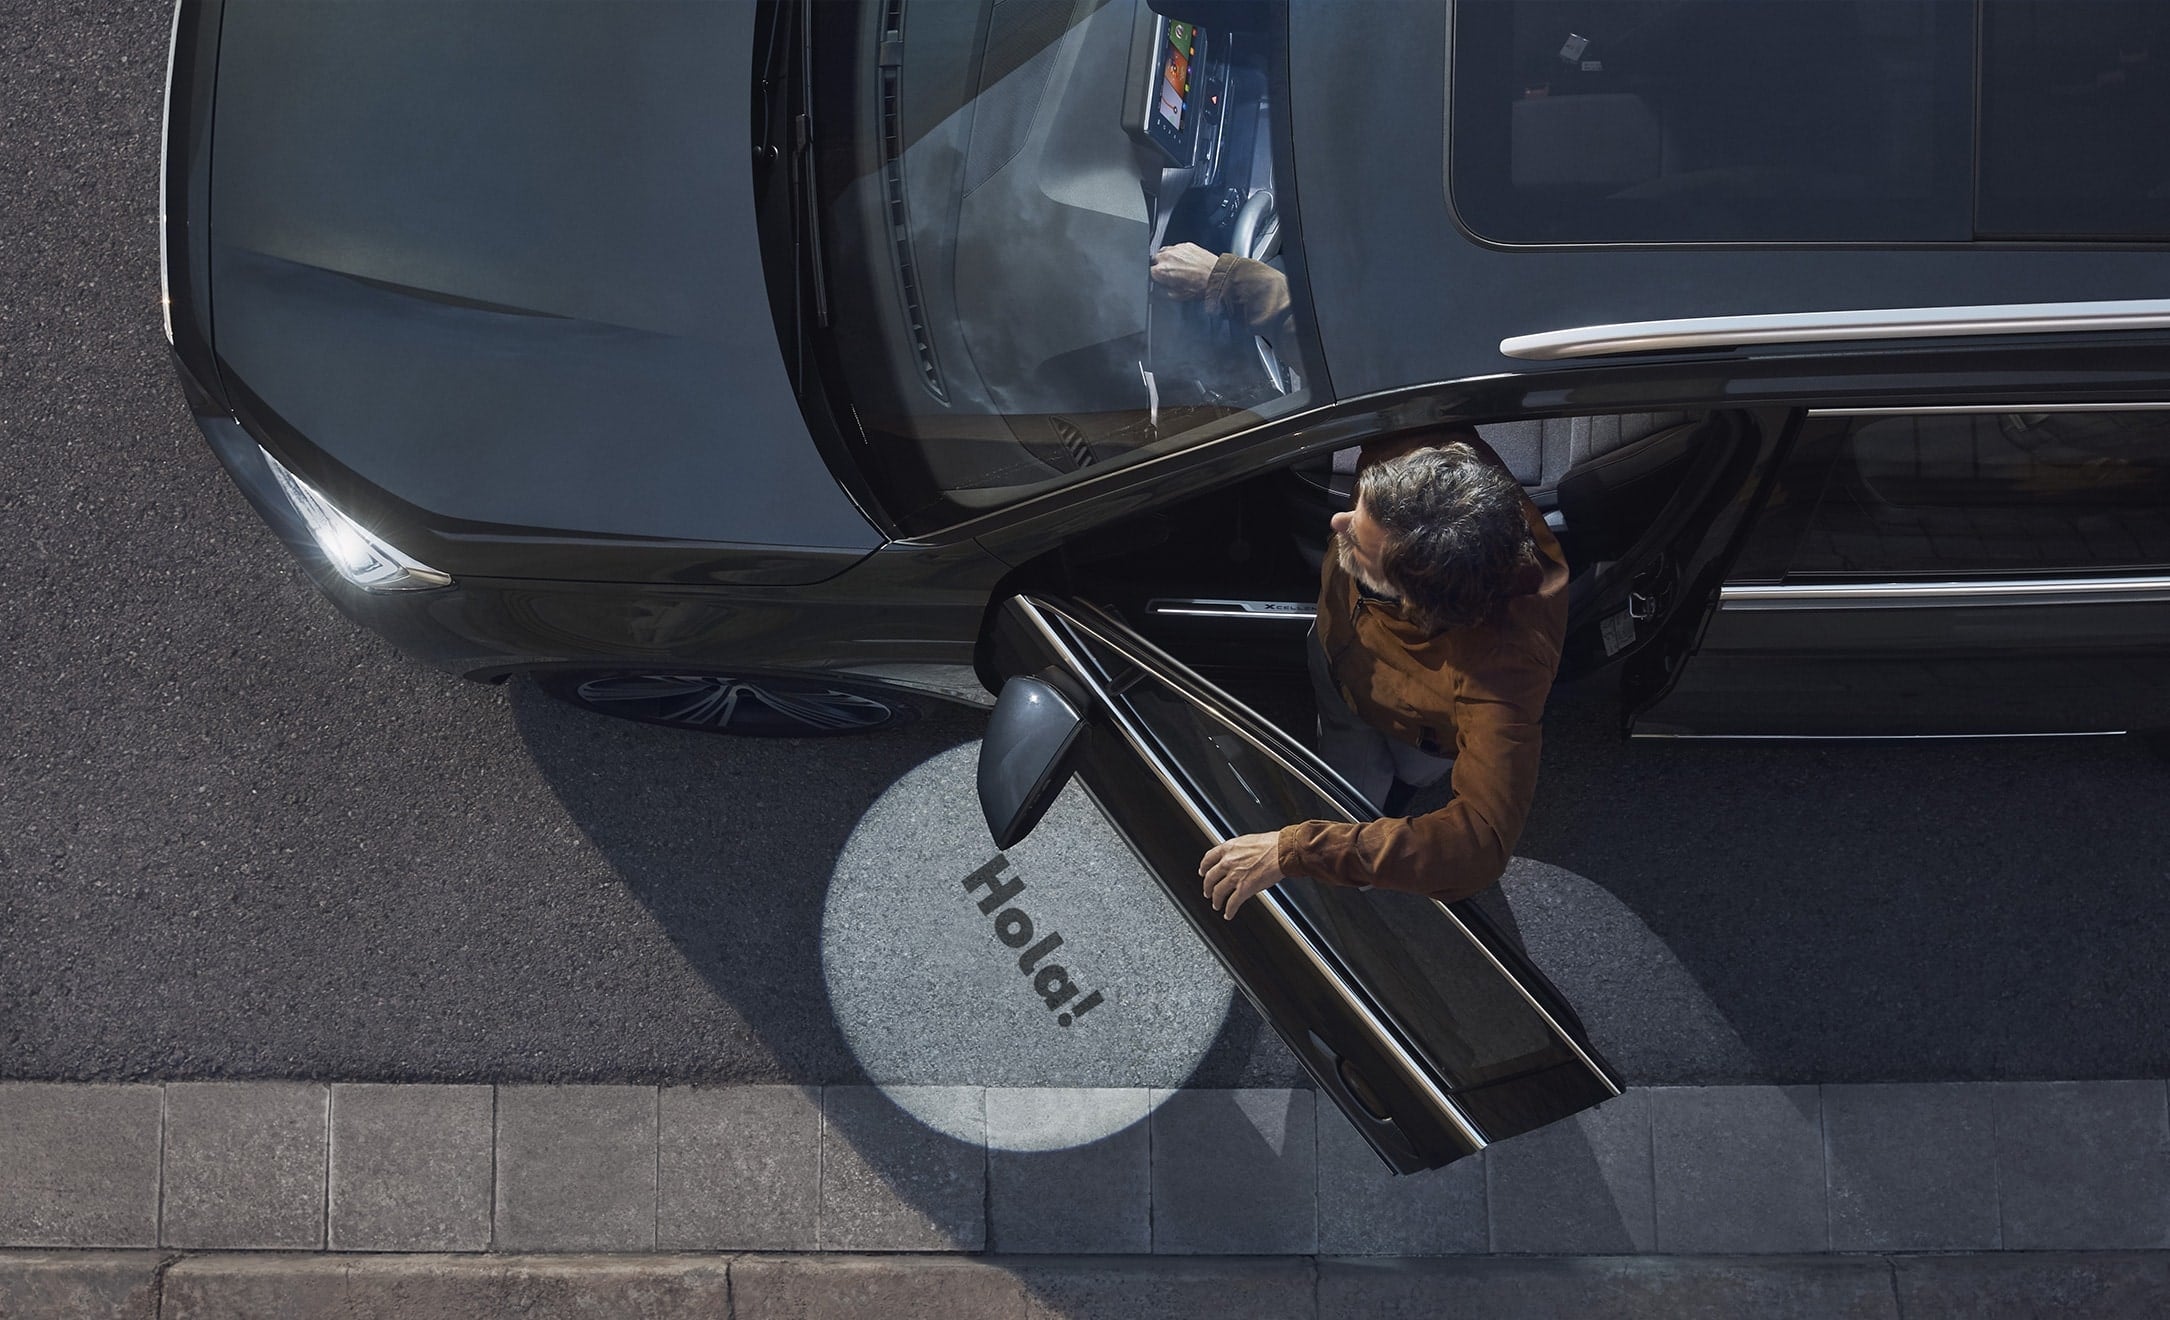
[1958, 494]
[1413, 952]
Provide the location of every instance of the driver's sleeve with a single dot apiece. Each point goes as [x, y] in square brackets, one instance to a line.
[1463, 847]
[1253, 292]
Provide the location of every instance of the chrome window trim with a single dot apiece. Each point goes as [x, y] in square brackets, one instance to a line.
[1828, 327]
[1868, 737]
[1991, 409]
[1268, 900]
[1218, 608]
[1886, 595]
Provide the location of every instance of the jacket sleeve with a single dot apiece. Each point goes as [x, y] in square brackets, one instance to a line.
[1253, 292]
[1464, 846]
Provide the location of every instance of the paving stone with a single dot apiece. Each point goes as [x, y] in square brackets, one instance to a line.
[2083, 1165]
[411, 1167]
[1365, 1210]
[862, 1288]
[1193, 1288]
[1578, 1187]
[1912, 1167]
[738, 1168]
[891, 1183]
[1052, 1186]
[1608, 1288]
[447, 1288]
[79, 1165]
[244, 1165]
[84, 1286]
[576, 1168]
[1737, 1169]
[1235, 1172]
[2095, 1286]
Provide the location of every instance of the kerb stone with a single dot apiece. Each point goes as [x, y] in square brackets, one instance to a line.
[1235, 1172]
[245, 1165]
[861, 1288]
[890, 1182]
[411, 1168]
[101, 1286]
[1608, 1288]
[1193, 1287]
[738, 1168]
[1365, 1210]
[79, 1165]
[576, 1168]
[447, 1288]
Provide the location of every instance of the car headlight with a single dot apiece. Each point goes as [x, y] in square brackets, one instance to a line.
[359, 555]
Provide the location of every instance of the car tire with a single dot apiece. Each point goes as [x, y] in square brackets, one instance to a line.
[747, 705]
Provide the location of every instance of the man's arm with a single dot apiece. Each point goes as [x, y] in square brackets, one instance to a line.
[1251, 291]
[1464, 846]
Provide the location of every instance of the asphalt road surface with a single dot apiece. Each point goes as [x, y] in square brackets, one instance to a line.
[241, 838]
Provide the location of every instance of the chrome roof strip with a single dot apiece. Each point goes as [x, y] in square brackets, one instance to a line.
[1991, 408]
[1831, 327]
[2013, 591]
[1267, 899]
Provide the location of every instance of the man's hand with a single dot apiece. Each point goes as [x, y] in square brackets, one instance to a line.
[1240, 868]
[1183, 269]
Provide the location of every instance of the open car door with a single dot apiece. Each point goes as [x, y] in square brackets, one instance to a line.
[1660, 563]
[1431, 1030]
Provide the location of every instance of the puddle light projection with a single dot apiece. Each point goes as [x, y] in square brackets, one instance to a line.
[949, 963]
[1014, 928]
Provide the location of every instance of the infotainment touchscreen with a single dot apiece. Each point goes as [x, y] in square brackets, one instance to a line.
[1173, 120]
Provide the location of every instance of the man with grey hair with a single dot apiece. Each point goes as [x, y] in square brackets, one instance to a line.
[1442, 611]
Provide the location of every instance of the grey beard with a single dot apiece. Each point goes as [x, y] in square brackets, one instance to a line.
[1344, 554]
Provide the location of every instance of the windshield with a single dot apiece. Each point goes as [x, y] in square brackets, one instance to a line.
[1056, 238]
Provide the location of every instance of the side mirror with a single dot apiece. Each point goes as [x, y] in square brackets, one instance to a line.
[1026, 757]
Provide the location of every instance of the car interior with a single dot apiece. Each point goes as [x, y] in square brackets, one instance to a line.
[1227, 581]
[1033, 157]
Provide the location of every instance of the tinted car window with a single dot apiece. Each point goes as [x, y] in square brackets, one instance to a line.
[1953, 494]
[1612, 121]
[2075, 94]
[995, 182]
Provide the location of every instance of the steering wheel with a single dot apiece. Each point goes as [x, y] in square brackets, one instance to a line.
[1257, 235]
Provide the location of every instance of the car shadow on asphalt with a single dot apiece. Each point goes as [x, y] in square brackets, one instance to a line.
[1934, 910]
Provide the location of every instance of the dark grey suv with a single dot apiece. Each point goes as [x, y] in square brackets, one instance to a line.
[776, 368]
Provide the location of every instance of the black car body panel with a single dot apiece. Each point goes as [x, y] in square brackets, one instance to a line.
[498, 296]
[486, 627]
[505, 272]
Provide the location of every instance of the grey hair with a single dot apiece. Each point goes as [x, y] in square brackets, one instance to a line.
[1455, 540]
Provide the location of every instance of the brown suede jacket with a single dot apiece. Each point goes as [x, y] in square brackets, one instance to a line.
[1476, 693]
[1251, 291]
